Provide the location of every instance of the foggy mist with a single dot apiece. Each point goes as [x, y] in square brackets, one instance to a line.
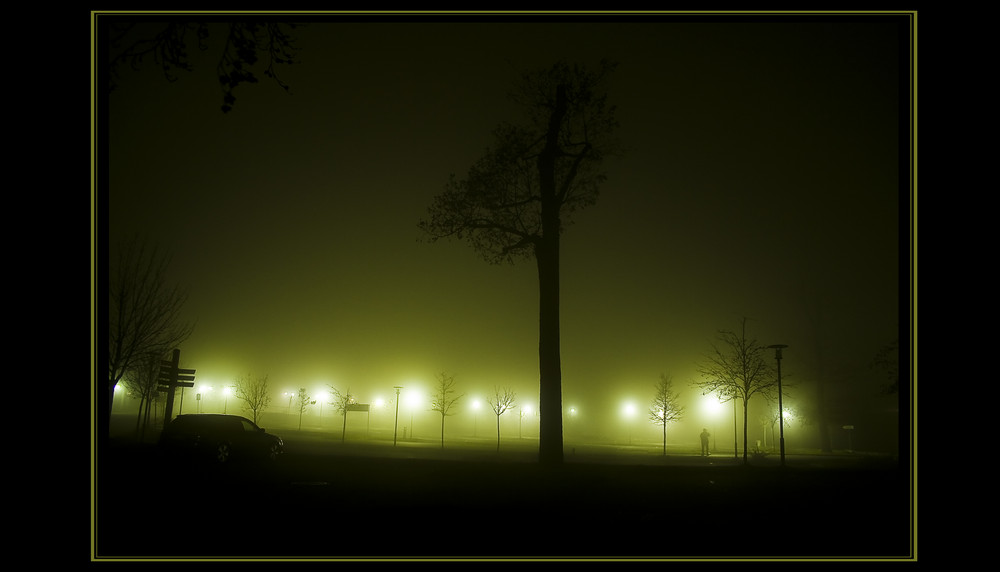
[766, 178]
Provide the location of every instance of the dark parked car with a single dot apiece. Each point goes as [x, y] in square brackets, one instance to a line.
[220, 438]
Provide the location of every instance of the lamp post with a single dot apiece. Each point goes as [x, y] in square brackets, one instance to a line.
[781, 412]
[395, 422]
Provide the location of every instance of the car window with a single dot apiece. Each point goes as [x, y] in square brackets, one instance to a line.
[248, 426]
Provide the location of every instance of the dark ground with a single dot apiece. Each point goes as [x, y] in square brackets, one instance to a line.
[347, 503]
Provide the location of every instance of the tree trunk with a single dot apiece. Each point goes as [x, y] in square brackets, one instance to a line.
[105, 403]
[664, 438]
[550, 371]
[736, 438]
[145, 420]
[138, 417]
[745, 407]
[550, 438]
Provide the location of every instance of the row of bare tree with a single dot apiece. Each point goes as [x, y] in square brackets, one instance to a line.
[443, 402]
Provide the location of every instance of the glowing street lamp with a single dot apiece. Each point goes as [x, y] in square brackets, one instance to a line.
[570, 427]
[521, 412]
[413, 399]
[202, 394]
[781, 417]
[321, 398]
[788, 415]
[713, 406]
[119, 390]
[475, 417]
[377, 404]
[629, 410]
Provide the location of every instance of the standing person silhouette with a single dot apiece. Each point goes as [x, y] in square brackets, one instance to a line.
[704, 443]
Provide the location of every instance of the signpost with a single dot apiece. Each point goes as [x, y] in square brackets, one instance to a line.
[170, 378]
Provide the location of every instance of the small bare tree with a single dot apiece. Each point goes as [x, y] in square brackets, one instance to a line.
[304, 401]
[342, 401]
[665, 407]
[501, 402]
[738, 368]
[144, 312]
[444, 398]
[254, 393]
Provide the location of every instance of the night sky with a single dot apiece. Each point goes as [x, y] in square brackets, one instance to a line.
[765, 177]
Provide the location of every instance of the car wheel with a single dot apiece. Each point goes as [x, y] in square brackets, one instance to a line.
[222, 452]
[273, 452]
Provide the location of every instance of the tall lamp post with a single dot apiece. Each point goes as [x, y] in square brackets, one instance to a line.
[395, 422]
[781, 416]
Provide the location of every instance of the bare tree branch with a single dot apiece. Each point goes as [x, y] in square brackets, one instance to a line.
[738, 369]
[501, 402]
[665, 407]
[444, 399]
[514, 200]
[253, 391]
[342, 401]
[166, 41]
[144, 312]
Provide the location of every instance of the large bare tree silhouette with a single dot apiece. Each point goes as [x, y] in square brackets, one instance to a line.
[513, 203]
